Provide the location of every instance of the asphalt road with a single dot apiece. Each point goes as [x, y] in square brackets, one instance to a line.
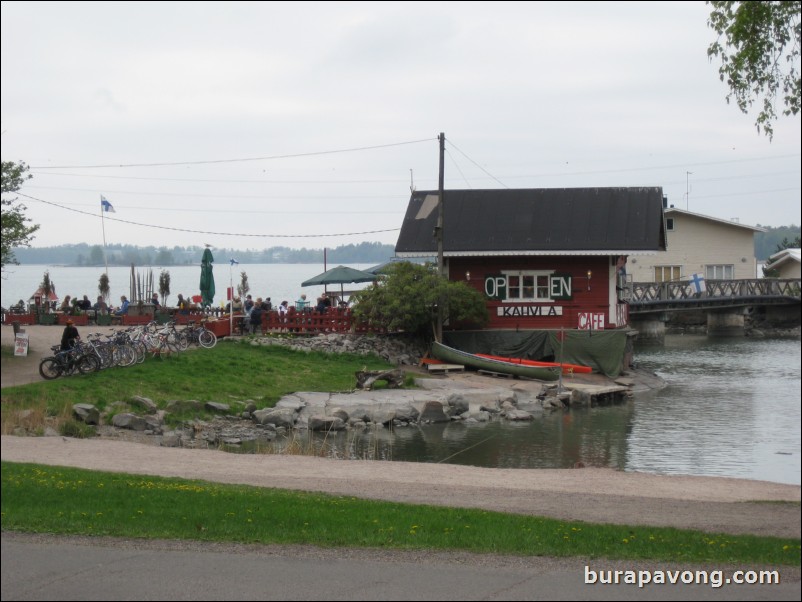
[38, 567]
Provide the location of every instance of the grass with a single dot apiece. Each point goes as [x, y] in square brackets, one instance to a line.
[45, 499]
[232, 371]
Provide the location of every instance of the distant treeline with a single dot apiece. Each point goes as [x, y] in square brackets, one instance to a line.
[774, 239]
[766, 244]
[92, 255]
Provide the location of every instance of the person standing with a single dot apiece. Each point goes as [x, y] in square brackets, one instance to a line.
[70, 336]
[255, 321]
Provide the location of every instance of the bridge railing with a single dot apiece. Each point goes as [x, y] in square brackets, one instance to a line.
[646, 292]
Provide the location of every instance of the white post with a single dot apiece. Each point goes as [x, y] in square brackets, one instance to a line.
[231, 300]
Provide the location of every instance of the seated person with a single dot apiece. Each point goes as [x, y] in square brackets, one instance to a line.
[302, 304]
[155, 300]
[66, 305]
[84, 304]
[123, 307]
[283, 308]
[100, 306]
[323, 303]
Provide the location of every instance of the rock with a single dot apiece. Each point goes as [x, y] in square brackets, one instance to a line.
[86, 413]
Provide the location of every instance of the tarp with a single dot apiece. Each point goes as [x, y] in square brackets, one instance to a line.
[602, 350]
[207, 279]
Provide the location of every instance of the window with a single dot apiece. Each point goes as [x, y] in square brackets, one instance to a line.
[670, 224]
[528, 286]
[720, 272]
[667, 273]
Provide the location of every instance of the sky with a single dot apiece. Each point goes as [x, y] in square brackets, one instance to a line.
[305, 124]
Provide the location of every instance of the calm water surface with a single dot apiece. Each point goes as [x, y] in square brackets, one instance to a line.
[279, 281]
[731, 408]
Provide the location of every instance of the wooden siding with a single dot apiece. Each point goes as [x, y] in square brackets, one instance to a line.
[595, 296]
[696, 242]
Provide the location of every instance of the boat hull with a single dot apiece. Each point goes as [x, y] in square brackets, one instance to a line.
[455, 356]
[566, 368]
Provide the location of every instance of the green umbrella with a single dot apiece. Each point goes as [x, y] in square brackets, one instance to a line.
[207, 279]
[340, 275]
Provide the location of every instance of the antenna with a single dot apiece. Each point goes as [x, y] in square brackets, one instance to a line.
[687, 188]
[411, 182]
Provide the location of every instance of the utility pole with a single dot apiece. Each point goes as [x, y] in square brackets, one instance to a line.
[441, 179]
[439, 231]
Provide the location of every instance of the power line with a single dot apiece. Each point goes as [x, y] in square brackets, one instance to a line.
[477, 165]
[123, 221]
[219, 180]
[212, 161]
[212, 196]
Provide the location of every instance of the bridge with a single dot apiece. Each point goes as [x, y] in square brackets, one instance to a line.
[725, 301]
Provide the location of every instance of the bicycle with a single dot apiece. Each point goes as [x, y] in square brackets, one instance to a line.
[66, 361]
[200, 335]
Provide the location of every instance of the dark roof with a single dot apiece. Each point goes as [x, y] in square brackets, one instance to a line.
[533, 221]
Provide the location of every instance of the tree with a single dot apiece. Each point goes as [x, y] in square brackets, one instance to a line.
[768, 270]
[406, 298]
[47, 287]
[759, 45]
[103, 286]
[164, 286]
[15, 229]
[243, 287]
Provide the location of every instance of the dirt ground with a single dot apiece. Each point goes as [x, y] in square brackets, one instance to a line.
[599, 495]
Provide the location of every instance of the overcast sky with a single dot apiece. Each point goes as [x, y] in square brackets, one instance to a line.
[305, 124]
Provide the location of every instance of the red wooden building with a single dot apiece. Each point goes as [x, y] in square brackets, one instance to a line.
[545, 259]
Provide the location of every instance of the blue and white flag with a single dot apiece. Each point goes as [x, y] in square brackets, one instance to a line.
[698, 283]
[234, 261]
[105, 205]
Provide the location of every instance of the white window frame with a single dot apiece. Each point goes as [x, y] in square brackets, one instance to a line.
[524, 286]
[671, 268]
[720, 271]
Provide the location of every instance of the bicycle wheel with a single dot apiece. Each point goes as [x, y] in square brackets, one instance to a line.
[50, 368]
[127, 355]
[178, 340]
[141, 350]
[207, 339]
[88, 364]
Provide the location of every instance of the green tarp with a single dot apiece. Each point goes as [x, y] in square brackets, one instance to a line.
[602, 350]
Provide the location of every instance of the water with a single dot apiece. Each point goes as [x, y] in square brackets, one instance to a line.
[731, 408]
[278, 281]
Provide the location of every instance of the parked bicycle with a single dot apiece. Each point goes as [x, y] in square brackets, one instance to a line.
[198, 334]
[67, 362]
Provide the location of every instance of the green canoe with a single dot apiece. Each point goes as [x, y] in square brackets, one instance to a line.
[455, 356]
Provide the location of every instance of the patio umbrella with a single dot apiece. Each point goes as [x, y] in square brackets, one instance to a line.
[382, 267]
[340, 275]
[207, 279]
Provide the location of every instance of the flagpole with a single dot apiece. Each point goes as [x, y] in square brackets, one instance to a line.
[103, 225]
